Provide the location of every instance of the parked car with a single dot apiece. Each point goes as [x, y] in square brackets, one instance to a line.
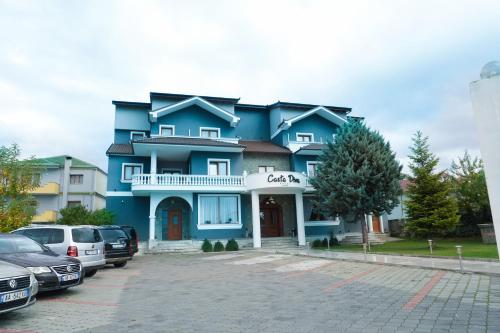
[82, 242]
[18, 287]
[51, 270]
[134, 237]
[117, 248]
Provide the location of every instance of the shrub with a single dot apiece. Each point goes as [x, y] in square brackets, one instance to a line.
[333, 241]
[206, 246]
[218, 247]
[316, 243]
[324, 243]
[80, 215]
[232, 245]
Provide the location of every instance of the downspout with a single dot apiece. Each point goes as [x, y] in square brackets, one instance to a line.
[65, 186]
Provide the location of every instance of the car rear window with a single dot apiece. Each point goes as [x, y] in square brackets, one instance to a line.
[113, 235]
[45, 235]
[130, 232]
[86, 235]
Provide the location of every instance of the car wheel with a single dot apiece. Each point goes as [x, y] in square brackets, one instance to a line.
[120, 264]
[90, 273]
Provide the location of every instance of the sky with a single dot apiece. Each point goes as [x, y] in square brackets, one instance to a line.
[403, 65]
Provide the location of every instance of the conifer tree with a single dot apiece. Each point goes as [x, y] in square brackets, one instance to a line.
[358, 174]
[430, 207]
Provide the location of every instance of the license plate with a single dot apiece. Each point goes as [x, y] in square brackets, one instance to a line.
[90, 252]
[118, 246]
[69, 277]
[14, 296]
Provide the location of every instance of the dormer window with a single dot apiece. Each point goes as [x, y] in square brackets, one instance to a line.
[167, 130]
[305, 137]
[210, 132]
[134, 135]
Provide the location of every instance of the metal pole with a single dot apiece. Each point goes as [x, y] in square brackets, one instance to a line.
[459, 252]
[430, 245]
[364, 249]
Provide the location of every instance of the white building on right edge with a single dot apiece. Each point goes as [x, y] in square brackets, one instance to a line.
[485, 96]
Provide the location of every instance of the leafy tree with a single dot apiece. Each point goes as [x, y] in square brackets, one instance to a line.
[469, 187]
[17, 178]
[101, 217]
[80, 215]
[358, 174]
[430, 207]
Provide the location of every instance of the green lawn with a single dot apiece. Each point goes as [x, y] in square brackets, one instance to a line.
[471, 248]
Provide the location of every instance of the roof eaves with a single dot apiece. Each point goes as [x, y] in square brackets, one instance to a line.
[183, 96]
[126, 103]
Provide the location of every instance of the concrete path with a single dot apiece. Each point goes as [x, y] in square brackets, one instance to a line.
[469, 266]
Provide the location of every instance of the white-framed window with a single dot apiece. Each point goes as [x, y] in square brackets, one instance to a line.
[217, 167]
[136, 135]
[219, 211]
[171, 171]
[311, 168]
[167, 130]
[74, 203]
[305, 137]
[130, 169]
[266, 168]
[210, 132]
[76, 179]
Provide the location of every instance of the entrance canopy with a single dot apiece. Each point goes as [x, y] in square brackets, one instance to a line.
[279, 182]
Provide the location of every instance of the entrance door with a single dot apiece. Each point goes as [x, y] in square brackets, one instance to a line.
[376, 224]
[174, 226]
[271, 220]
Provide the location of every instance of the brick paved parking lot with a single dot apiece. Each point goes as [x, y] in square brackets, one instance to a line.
[260, 292]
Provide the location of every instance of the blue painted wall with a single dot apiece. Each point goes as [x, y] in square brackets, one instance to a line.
[322, 129]
[123, 136]
[133, 211]
[192, 118]
[115, 171]
[254, 125]
[199, 162]
[299, 162]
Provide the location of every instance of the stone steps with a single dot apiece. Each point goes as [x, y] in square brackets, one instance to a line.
[358, 239]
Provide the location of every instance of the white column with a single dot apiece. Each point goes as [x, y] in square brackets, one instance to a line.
[301, 229]
[381, 217]
[152, 225]
[370, 222]
[154, 157]
[152, 219]
[256, 220]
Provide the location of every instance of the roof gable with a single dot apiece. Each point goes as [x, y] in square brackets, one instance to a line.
[198, 101]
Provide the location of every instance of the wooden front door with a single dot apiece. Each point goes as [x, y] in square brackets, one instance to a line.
[376, 224]
[271, 221]
[174, 224]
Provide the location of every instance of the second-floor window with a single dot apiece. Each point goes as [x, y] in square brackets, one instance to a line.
[218, 167]
[305, 137]
[266, 168]
[130, 169]
[137, 135]
[210, 132]
[311, 168]
[167, 130]
[76, 179]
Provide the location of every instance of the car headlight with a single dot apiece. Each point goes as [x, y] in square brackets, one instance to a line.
[32, 278]
[39, 270]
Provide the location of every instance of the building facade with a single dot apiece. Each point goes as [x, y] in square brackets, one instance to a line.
[196, 167]
[67, 181]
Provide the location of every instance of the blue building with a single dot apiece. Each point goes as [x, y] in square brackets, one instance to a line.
[195, 167]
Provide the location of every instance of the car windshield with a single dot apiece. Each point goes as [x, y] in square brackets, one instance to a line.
[113, 235]
[86, 235]
[19, 245]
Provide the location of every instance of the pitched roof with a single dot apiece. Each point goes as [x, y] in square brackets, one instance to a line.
[187, 141]
[120, 149]
[314, 146]
[183, 96]
[263, 147]
[58, 161]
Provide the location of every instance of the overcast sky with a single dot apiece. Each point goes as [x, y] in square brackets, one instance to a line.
[402, 65]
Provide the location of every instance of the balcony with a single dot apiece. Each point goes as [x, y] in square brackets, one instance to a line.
[143, 183]
[48, 216]
[50, 188]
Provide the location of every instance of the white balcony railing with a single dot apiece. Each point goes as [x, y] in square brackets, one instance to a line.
[188, 180]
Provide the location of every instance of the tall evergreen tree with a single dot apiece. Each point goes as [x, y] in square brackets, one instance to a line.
[430, 207]
[358, 174]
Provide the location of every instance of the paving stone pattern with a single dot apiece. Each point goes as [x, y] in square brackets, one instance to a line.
[261, 292]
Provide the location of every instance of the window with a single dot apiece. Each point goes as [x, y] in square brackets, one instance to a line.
[219, 209]
[218, 167]
[311, 168]
[263, 169]
[75, 179]
[210, 132]
[167, 130]
[45, 235]
[37, 177]
[166, 171]
[129, 169]
[305, 137]
[134, 136]
[74, 203]
[86, 235]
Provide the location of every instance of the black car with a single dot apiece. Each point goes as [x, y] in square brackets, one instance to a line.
[134, 238]
[51, 270]
[117, 245]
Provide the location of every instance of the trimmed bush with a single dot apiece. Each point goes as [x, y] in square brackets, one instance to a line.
[218, 247]
[333, 241]
[324, 243]
[206, 246]
[232, 245]
[316, 243]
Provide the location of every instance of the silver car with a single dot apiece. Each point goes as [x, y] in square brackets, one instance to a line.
[18, 287]
[83, 242]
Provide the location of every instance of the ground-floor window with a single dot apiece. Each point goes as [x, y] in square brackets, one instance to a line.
[219, 209]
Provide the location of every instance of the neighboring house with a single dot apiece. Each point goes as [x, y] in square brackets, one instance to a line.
[67, 181]
[196, 167]
[394, 221]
